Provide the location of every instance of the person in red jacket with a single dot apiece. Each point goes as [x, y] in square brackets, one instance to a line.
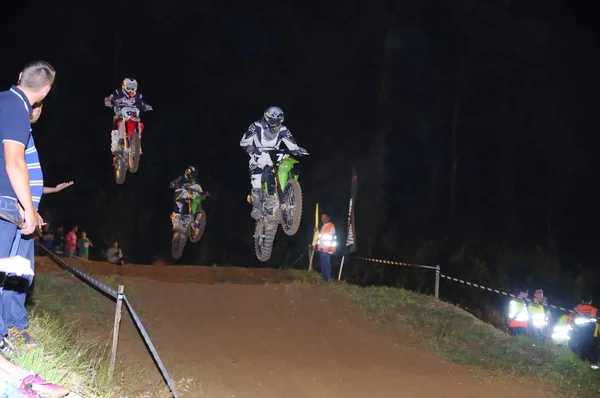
[585, 331]
[326, 246]
[71, 243]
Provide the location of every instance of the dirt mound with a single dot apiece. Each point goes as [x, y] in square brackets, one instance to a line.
[271, 340]
[172, 273]
[286, 341]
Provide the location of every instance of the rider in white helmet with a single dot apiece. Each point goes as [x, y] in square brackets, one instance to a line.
[269, 132]
[129, 97]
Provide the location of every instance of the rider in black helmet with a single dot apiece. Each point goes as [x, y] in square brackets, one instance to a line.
[182, 185]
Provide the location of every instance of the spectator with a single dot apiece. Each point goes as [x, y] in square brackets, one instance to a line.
[326, 245]
[15, 316]
[59, 240]
[47, 237]
[83, 246]
[114, 255]
[71, 243]
[16, 381]
[35, 81]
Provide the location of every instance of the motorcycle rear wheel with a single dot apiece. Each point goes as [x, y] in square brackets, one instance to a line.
[264, 236]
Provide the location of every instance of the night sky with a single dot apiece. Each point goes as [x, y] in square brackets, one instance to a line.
[380, 85]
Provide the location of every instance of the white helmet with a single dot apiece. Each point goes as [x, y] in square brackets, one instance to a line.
[273, 119]
[129, 87]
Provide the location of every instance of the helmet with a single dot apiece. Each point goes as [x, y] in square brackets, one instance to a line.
[191, 173]
[524, 292]
[129, 87]
[273, 119]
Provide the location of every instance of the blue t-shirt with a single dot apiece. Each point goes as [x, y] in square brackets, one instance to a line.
[36, 177]
[15, 127]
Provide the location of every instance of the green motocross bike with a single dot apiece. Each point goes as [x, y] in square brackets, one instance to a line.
[191, 225]
[281, 201]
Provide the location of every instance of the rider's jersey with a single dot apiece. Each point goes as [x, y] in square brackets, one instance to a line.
[119, 100]
[182, 183]
[255, 136]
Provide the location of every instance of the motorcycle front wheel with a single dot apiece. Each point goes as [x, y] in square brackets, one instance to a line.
[196, 233]
[134, 151]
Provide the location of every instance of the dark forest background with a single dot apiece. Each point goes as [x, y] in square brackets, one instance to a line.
[473, 126]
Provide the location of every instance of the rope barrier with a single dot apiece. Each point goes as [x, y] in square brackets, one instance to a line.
[388, 262]
[114, 294]
[475, 285]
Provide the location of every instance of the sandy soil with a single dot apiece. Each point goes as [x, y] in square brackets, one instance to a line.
[275, 340]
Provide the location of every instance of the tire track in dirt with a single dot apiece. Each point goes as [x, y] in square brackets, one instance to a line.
[289, 341]
[273, 341]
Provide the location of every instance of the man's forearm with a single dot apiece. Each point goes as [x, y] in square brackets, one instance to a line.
[19, 180]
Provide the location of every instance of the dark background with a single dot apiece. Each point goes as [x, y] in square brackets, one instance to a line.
[473, 125]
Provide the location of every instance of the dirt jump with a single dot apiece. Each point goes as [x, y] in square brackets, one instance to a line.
[272, 340]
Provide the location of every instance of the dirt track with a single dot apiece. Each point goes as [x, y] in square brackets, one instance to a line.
[274, 341]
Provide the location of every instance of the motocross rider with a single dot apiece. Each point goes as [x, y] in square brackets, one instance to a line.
[127, 97]
[269, 132]
[182, 185]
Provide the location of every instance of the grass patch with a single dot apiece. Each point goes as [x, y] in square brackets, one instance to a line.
[460, 337]
[78, 362]
[73, 324]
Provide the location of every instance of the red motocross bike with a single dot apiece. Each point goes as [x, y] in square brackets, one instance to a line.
[130, 128]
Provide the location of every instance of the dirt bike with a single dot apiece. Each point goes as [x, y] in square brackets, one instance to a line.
[281, 202]
[129, 147]
[192, 223]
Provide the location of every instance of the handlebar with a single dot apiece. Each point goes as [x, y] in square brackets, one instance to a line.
[284, 151]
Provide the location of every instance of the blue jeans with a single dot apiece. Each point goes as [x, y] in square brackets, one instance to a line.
[15, 287]
[325, 260]
[8, 231]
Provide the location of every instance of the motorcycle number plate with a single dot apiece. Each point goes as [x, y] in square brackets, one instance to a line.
[130, 112]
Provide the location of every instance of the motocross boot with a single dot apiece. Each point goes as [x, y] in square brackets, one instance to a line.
[175, 219]
[256, 212]
[114, 143]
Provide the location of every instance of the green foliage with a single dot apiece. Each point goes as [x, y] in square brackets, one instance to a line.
[76, 361]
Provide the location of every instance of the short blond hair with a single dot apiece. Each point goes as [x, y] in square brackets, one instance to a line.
[37, 75]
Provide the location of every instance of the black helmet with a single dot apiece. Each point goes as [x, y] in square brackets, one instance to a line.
[191, 173]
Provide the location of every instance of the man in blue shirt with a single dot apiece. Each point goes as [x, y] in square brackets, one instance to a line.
[35, 81]
[15, 315]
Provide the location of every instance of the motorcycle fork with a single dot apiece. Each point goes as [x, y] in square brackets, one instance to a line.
[123, 123]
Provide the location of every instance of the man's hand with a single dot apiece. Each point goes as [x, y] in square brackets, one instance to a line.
[30, 221]
[63, 185]
[40, 220]
[300, 152]
[251, 150]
